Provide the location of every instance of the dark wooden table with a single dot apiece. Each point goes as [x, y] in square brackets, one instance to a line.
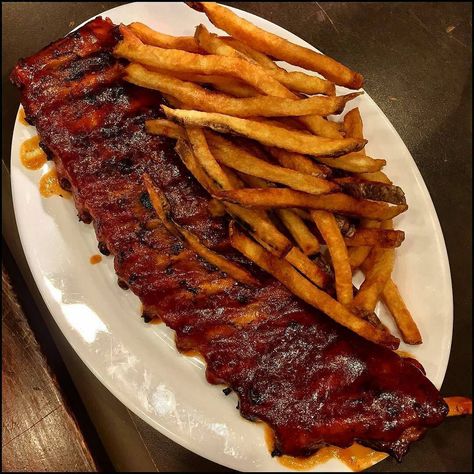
[417, 61]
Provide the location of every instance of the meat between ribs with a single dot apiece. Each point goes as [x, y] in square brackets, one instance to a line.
[311, 380]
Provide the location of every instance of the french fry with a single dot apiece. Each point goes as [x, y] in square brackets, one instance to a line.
[459, 406]
[353, 127]
[305, 239]
[303, 214]
[205, 158]
[162, 209]
[376, 176]
[235, 157]
[320, 126]
[249, 52]
[186, 154]
[354, 162]
[378, 269]
[134, 50]
[308, 268]
[181, 61]
[357, 255]
[301, 287]
[400, 313]
[229, 86]
[334, 202]
[372, 190]
[226, 84]
[297, 162]
[328, 228]
[384, 238]
[155, 38]
[376, 278]
[264, 133]
[257, 222]
[352, 124]
[166, 128]
[296, 81]
[198, 98]
[212, 44]
[290, 123]
[276, 46]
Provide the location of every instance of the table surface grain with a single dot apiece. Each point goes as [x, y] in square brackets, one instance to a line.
[416, 58]
[39, 432]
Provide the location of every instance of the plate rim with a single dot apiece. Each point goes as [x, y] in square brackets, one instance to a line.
[65, 330]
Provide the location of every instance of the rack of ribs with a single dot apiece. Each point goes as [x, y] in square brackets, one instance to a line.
[311, 380]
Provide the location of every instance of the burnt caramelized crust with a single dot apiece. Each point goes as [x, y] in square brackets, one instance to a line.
[311, 380]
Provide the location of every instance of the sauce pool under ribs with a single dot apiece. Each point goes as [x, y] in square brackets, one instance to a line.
[314, 382]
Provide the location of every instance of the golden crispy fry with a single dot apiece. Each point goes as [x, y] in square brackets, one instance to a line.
[235, 157]
[205, 158]
[301, 82]
[459, 406]
[134, 50]
[377, 176]
[257, 222]
[212, 44]
[276, 46]
[328, 228]
[229, 85]
[161, 206]
[264, 133]
[308, 268]
[355, 162]
[166, 128]
[303, 214]
[305, 239]
[186, 154]
[181, 61]
[262, 228]
[305, 290]
[400, 313]
[197, 97]
[249, 52]
[304, 265]
[296, 81]
[297, 162]
[284, 122]
[154, 38]
[358, 254]
[378, 269]
[335, 202]
[384, 238]
[290, 123]
[352, 124]
[254, 181]
[353, 127]
[320, 126]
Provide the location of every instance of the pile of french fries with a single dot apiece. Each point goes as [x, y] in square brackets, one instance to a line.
[306, 203]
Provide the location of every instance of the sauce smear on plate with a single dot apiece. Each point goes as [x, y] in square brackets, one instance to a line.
[49, 185]
[31, 154]
[95, 259]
